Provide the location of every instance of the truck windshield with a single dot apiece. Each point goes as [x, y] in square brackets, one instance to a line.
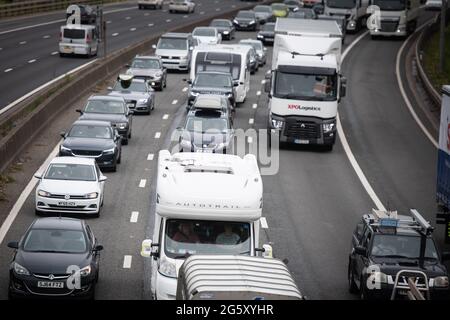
[172, 44]
[220, 62]
[390, 5]
[341, 4]
[305, 86]
[401, 246]
[186, 237]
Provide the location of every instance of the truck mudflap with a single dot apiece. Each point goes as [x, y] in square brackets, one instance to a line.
[307, 130]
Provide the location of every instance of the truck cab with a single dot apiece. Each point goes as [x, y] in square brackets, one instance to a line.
[354, 11]
[205, 204]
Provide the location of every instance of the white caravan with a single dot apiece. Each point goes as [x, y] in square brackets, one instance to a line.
[305, 85]
[231, 58]
[395, 18]
[354, 11]
[205, 204]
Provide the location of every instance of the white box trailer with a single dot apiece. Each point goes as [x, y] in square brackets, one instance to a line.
[306, 85]
[231, 277]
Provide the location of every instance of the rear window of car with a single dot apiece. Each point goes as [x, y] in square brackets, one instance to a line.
[73, 33]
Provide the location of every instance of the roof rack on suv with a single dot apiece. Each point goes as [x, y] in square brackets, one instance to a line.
[390, 219]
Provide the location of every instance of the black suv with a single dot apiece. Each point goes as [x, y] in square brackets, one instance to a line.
[212, 82]
[384, 244]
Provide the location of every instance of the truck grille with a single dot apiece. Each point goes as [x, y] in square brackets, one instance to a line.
[389, 26]
[90, 153]
[62, 196]
[302, 130]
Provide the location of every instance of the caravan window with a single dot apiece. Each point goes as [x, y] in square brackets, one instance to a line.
[217, 61]
[186, 237]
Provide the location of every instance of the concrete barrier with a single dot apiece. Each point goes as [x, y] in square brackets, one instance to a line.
[61, 95]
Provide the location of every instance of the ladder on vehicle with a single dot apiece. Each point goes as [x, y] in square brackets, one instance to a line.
[413, 291]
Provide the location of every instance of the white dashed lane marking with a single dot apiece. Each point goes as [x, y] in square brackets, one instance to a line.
[251, 121]
[258, 93]
[32, 61]
[133, 29]
[165, 117]
[46, 37]
[134, 216]
[264, 224]
[54, 53]
[150, 156]
[157, 135]
[255, 106]
[150, 24]
[115, 34]
[23, 42]
[127, 262]
[185, 89]
[142, 183]
[8, 70]
[174, 101]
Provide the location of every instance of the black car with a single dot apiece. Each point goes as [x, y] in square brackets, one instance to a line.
[149, 68]
[56, 258]
[95, 139]
[267, 33]
[254, 62]
[212, 82]
[208, 126]
[384, 244]
[111, 109]
[246, 20]
[225, 27]
[88, 14]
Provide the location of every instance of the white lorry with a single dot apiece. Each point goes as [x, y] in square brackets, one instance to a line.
[354, 11]
[205, 204]
[305, 85]
[395, 17]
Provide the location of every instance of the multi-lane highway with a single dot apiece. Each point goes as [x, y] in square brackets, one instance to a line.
[311, 204]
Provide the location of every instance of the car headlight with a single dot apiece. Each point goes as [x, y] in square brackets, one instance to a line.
[441, 282]
[109, 151]
[235, 21]
[85, 271]
[328, 127]
[193, 93]
[43, 193]
[158, 75]
[92, 195]
[260, 36]
[18, 269]
[64, 149]
[352, 24]
[143, 100]
[167, 268]
[277, 124]
[183, 57]
[226, 32]
[252, 22]
[122, 125]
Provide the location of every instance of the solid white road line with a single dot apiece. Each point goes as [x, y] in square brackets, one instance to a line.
[150, 156]
[157, 135]
[12, 104]
[142, 183]
[22, 42]
[24, 196]
[6, 71]
[346, 146]
[127, 262]
[134, 216]
[263, 222]
[133, 29]
[254, 106]
[405, 96]
[174, 101]
[165, 117]
[251, 121]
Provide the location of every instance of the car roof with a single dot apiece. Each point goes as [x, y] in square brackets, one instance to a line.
[58, 223]
[398, 230]
[250, 41]
[176, 35]
[214, 72]
[209, 101]
[73, 160]
[147, 57]
[249, 11]
[228, 20]
[97, 123]
[105, 97]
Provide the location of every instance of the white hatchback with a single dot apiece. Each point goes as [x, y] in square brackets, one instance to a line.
[208, 35]
[70, 185]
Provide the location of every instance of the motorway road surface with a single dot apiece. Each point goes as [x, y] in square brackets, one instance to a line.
[311, 205]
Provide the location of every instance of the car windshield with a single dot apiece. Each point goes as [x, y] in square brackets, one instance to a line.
[343, 4]
[69, 171]
[172, 44]
[55, 241]
[309, 13]
[221, 23]
[200, 124]
[390, 5]
[136, 86]
[145, 64]
[212, 80]
[298, 15]
[204, 32]
[73, 33]
[105, 106]
[268, 27]
[256, 45]
[398, 246]
[186, 237]
[262, 9]
[305, 86]
[245, 15]
[278, 6]
[90, 131]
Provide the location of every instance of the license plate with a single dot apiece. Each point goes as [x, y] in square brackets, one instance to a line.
[300, 141]
[130, 105]
[66, 204]
[205, 150]
[402, 292]
[50, 284]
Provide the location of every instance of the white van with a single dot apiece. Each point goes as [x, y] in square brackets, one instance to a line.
[205, 204]
[78, 39]
[231, 58]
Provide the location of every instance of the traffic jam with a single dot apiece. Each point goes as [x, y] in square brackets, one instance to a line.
[208, 237]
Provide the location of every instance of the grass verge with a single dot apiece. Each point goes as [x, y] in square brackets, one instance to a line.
[431, 60]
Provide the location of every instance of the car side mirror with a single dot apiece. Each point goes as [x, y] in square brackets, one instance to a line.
[79, 111]
[130, 112]
[98, 247]
[110, 89]
[153, 46]
[102, 179]
[360, 250]
[38, 175]
[63, 134]
[128, 65]
[147, 249]
[13, 245]
[267, 86]
[236, 84]
[267, 251]
[446, 256]
[343, 90]
[191, 48]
